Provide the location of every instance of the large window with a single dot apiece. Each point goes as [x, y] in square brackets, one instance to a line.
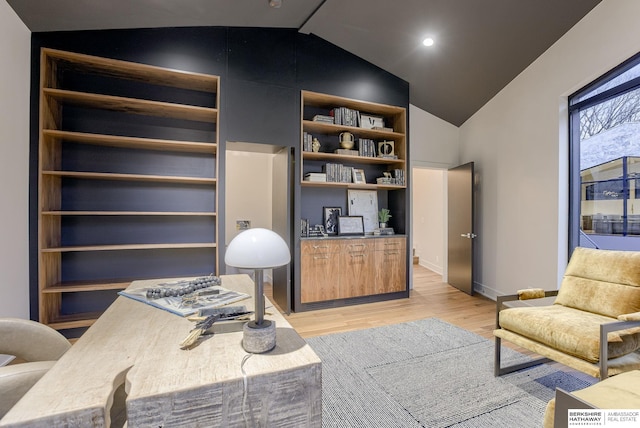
[605, 161]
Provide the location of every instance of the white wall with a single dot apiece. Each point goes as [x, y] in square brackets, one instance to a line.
[248, 190]
[15, 41]
[434, 145]
[428, 230]
[434, 142]
[519, 142]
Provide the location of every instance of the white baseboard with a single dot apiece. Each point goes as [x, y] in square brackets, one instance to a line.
[437, 269]
[485, 291]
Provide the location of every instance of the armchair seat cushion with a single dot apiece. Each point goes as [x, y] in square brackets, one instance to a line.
[569, 330]
[17, 379]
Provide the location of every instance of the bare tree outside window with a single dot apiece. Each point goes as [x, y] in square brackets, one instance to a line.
[609, 114]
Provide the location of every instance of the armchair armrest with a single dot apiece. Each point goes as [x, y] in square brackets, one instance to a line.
[605, 329]
[635, 316]
[500, 301]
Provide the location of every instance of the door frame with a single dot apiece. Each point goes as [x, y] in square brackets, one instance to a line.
[284, 228]
[445, 221]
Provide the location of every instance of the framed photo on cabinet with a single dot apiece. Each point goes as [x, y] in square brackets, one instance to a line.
[351, 225]
[330, 216]
[364, 203]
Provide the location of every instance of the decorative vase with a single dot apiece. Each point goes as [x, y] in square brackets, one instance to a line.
[347, 140]
[383, 225]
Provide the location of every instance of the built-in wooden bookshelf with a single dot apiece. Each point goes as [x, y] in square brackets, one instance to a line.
[327, 133]
[65, 213]
[337, 270]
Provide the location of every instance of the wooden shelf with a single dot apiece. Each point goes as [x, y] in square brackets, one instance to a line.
[121, 247]
[85, 286]
[367, 186]
[129, 177]
[133, 105]
[130, 213]
[79, 320]
[317, 99]
[329, 128]
[333, 157]
[133, 71]
[131, 142]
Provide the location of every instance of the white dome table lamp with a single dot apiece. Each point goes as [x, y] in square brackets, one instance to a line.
[258, 249]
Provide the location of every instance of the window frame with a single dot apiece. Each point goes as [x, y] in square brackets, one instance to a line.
[575, 106]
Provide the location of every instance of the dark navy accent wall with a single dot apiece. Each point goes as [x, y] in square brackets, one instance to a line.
[262, 72]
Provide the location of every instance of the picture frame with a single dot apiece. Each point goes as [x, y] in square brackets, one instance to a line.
[358, 176]
[364, 203]
[330, 218]
[351, 225]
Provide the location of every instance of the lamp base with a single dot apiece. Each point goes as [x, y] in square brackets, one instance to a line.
[259, 338]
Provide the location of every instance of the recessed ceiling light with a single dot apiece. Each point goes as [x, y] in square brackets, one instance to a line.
[428, 41]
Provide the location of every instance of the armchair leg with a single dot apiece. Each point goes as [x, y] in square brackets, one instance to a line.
[499, 371]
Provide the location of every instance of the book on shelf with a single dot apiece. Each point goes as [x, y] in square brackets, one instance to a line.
[382, 128]
[307, 141]
[383, 231]
[315, 176]
[323, 118]
[345, 116]
[338, 173]
[366, 147]
[347, 152]
[398, 176]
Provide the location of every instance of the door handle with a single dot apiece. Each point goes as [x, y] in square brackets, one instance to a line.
[469, 235]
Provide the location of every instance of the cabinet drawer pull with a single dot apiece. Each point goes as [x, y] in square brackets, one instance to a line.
[320, 257]
[357, 245]
[391, 253]
[356, 255]
[315, 247]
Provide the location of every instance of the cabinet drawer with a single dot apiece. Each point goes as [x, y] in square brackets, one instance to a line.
[319, 247]
[390, 244]
[357, 246]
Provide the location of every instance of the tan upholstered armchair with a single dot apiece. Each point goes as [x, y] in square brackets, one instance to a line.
[592, 326]
[36, 348]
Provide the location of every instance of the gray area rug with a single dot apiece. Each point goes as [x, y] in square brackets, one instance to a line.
[429, 373]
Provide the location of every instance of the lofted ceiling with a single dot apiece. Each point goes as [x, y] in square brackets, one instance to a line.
[480, 45]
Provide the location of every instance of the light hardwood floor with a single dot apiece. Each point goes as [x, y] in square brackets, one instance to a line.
[430, 297]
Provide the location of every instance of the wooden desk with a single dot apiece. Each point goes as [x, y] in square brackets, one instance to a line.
[133, 352]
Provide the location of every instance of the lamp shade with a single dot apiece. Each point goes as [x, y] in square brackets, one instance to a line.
[257, 249]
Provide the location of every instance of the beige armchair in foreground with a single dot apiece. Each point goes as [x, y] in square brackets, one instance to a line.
[592, 326]
[37, 345]
[618, 392]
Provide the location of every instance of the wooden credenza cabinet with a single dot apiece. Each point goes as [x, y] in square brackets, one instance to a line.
[342, 268]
